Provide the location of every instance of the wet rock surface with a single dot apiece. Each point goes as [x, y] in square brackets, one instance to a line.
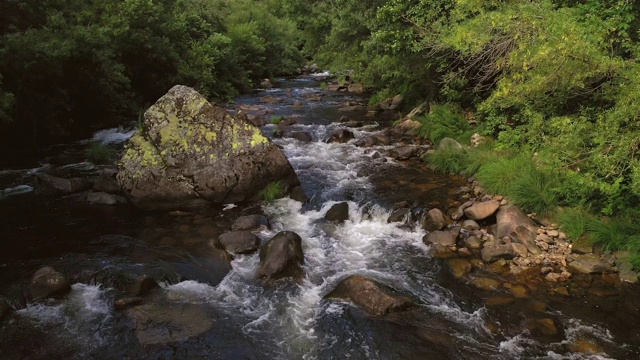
[47, 282]
[371, 296]
[157, 324]
[239, 242]
[281, 257]
[338, 212]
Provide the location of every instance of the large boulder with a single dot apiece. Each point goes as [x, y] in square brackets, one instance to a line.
[514, 223]
[191, 152]
[47, 282]
[281, 257]
[371, 296]
[482, 210]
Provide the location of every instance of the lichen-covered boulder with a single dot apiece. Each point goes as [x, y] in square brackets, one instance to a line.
[189, 151]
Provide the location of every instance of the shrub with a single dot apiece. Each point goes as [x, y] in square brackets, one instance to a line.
[101, 154]
[277, 119]
[272, 191]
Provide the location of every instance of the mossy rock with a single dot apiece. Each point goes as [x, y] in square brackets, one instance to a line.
[191, 152]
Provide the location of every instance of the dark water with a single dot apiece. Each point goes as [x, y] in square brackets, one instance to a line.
[203, 312]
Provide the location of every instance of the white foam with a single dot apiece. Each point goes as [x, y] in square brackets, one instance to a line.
[113, 136]
[83, 317]
[16, 190]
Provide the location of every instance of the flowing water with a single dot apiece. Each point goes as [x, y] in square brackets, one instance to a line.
[202, 312]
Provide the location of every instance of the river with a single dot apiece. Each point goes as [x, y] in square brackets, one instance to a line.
[203, 312]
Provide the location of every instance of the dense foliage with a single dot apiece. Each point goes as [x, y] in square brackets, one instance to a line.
[69, 66]
[556, 80]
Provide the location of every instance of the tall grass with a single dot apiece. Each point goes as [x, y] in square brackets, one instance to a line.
[478, 157]
[535, 191]
[272, 191]
[616, 233]
[499, 174]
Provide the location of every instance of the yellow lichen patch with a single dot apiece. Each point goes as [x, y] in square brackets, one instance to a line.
[142, 152]
[257, 138]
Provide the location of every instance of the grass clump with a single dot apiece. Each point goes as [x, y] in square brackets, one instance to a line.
[535, 191]
[101, 154]
[448, 160]
[574, 221]
[277, 120]
[499, 174]
[616, 233]
[444, 121]
[272, 191]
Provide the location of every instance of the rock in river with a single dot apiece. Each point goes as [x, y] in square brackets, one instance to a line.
[281, 257]
[239, 242]
[338, 212]
[47, 282]
[374, 298]
[190, 152]
[156, 324]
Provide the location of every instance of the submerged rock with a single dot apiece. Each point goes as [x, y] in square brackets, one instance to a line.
[53, 185]
[102, 198]
[191, 152]
[371, 296]
[589, 264]
[161, 324]
[281, 257]
[47, 282]
[341, 136]
[127, 302]
[143, 286]
[303, 136]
